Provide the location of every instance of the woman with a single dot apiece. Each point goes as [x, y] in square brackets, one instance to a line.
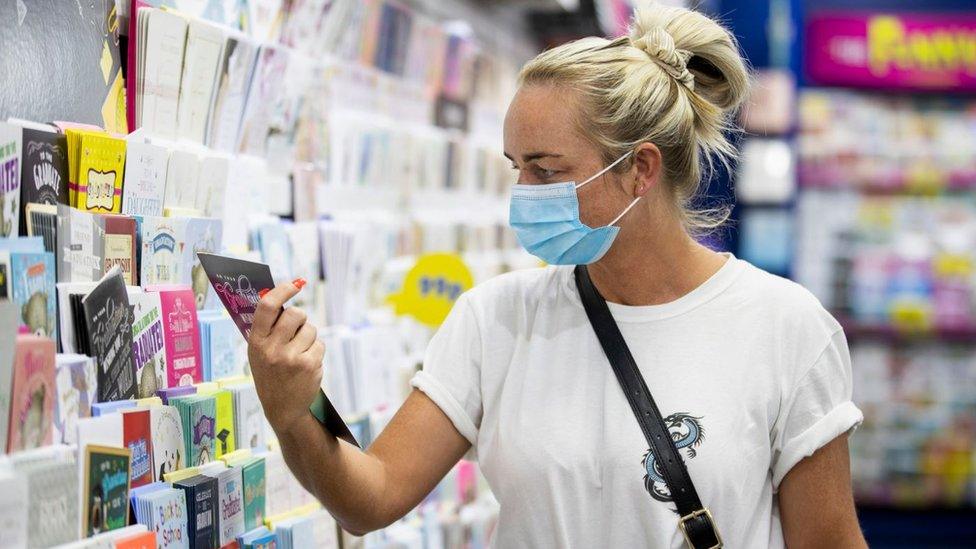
[751, 372]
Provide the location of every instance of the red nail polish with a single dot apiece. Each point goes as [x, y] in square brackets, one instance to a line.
[263, 293]
[299, 283]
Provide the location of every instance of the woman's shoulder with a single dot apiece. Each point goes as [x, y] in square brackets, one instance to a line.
[783, 306]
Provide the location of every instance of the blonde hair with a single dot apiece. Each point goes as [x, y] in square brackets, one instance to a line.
[674, 81]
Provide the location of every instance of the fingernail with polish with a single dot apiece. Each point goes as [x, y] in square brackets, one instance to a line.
[263, 293]
[299, 283]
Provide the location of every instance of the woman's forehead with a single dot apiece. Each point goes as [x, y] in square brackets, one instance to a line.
[542, 117]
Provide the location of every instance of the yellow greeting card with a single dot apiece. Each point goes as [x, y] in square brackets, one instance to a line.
[100, 170]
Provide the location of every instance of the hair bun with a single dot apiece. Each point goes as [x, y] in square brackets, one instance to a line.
[658, 44]
[681, 40]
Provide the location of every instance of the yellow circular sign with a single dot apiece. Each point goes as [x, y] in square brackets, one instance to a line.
[431, 288]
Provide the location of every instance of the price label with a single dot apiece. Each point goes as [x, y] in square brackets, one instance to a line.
[909, 316]
[950, 265]
[925, 178]
[431, 288]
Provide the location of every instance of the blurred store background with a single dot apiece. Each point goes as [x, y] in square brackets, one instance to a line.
[857, 178]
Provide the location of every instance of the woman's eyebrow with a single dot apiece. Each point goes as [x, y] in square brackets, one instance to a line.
[535, 156]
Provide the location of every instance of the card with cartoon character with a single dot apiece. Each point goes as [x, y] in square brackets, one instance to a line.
[32, 394]
[167, 434]
[33, 286]
[148, 346]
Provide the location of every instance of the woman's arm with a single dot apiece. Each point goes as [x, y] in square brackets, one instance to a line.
[816, 503]
[363, 490]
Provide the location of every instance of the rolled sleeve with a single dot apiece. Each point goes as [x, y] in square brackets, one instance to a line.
[819, 409]
[451, 375]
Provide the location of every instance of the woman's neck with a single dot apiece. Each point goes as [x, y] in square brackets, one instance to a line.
[655, 267]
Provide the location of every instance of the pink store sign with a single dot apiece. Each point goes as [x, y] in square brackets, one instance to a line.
[909, 51]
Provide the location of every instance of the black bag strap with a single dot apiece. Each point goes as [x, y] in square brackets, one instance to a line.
[696, 521]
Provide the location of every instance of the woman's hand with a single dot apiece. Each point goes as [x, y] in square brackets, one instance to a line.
[286, 357]
[363, 490]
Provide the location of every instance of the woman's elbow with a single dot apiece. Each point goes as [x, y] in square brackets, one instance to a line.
[362, 525]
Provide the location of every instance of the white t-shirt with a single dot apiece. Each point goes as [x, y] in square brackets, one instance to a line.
[750, 370]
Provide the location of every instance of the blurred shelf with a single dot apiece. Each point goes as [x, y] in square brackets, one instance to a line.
[813, 175]
[890, 190]
[860, 330]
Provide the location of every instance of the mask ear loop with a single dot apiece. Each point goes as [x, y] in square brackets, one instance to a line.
[605, 170]
[623, 213]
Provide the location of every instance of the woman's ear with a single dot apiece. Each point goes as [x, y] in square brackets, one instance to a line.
[648, 165]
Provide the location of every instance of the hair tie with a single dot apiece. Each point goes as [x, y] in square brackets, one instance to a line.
[658, 44]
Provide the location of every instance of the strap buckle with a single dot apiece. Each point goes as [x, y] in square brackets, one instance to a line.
[707, 515]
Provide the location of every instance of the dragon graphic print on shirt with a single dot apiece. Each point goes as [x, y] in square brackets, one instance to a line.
[687, 432]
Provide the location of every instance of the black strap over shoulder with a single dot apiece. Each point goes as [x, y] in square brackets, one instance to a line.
[696, 521]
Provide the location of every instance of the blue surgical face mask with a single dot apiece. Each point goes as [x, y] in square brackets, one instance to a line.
[547, 223]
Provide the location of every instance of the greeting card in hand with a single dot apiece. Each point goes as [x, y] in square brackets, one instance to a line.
[237, 283]
[106, 489]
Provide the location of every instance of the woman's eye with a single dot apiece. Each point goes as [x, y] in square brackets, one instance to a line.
[547, 173]
[515, 166]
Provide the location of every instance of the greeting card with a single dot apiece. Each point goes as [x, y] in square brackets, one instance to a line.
[109, 326]
[137, 437]
[44, 174]
[145, 178]
[33, 288]
[100, 173]
[10, 152]
[202, 235]
[148, 346]
[119, 246]
[168, 447]
[77, 389]
[230, 504]
[237, 283]
[163, 240]
[32, 394]
[53, 503]
[201, 503]
[224, 439]
[106, 489]
[181, 337]
[80, 246]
